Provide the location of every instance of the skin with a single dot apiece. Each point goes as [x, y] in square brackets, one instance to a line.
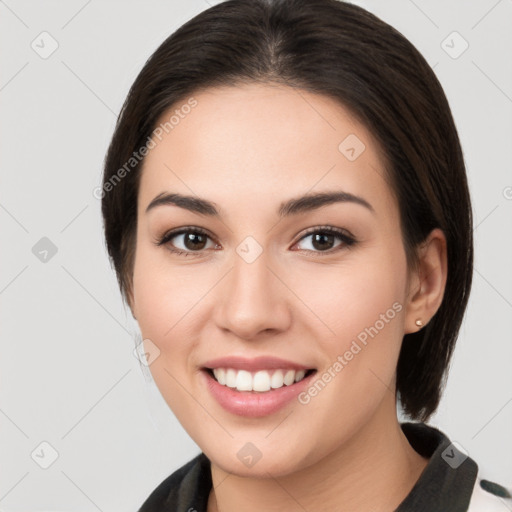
[247, 149]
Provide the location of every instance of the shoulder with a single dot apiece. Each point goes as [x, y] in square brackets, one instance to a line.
[452, 480]
[187, 488]
[489, 496]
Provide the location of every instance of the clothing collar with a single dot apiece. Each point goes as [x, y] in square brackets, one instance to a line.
[446, 483]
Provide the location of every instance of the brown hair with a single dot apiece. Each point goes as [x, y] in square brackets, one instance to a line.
[342, 51]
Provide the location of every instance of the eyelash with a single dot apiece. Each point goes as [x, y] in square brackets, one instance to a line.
[348, 240]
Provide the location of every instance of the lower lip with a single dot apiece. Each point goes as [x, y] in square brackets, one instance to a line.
[254, 404]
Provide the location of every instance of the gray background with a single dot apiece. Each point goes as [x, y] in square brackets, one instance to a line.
[68, 375]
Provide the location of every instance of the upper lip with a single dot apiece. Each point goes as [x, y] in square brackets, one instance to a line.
[254, 364]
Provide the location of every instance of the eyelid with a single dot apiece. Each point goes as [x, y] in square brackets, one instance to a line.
[328, 229]
[344, 235]
[347, 239]
[163, 239]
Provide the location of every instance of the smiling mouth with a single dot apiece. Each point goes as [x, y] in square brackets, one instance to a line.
[260, 381]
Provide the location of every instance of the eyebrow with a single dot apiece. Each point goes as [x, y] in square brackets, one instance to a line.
[293, 206]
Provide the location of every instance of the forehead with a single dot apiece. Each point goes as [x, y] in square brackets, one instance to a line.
[272, 139]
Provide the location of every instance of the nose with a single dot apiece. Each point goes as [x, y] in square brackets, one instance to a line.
[253, 299]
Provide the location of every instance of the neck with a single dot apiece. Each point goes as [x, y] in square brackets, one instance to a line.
[375, 470]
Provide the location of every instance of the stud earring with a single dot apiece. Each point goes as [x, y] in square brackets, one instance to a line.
[419, 323]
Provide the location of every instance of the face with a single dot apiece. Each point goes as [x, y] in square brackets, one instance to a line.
[240, 297]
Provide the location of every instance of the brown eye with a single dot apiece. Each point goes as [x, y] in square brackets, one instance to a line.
[324, 239]
[194, 241]
[186, 241]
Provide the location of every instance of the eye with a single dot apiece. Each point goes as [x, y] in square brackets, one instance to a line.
[192, 240]
[323, 238]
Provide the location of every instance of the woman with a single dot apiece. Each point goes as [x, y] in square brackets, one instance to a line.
[286, 207]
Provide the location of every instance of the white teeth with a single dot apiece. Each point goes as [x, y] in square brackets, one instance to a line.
[220, 375]
[231, 378]
[299, 375]
[244, 381]
[260, 381]
[289, 377]
[277, 380]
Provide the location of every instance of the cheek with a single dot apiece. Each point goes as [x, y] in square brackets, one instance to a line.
[364, 309]
[361, 306]
[164, 299]
[162, 293]
[339, 303]
[350, 297]
[172, 306]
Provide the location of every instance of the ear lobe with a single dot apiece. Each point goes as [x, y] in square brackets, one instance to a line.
[427, 284]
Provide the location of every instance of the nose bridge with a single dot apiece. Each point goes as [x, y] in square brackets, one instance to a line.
[252, 298]
[250, 282]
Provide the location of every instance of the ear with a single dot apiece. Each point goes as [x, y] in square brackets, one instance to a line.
[427, 283]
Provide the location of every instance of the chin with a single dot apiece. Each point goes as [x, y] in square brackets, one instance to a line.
[259, 459]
